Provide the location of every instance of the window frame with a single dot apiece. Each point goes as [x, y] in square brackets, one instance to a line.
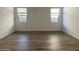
[21, 14]
[54, 14]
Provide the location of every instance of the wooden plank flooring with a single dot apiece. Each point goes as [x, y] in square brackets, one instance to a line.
[39, 41]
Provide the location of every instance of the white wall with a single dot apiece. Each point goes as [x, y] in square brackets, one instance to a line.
[6, 21]
[71, 21]
[38, 20]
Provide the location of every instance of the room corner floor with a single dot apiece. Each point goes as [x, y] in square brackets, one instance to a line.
[39, 41]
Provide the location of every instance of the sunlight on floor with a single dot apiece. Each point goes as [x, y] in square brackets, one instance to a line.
[54, 42]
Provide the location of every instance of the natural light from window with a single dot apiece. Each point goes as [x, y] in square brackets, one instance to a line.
[54, 14]
[22, 14]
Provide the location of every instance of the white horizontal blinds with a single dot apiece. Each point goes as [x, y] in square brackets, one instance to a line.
[54, 14]
[55, 10]
[21, 10]
[22, 14]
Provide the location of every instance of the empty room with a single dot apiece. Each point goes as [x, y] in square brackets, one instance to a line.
[39, 28]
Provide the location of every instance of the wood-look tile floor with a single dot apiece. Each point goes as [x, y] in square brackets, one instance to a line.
[39, 41]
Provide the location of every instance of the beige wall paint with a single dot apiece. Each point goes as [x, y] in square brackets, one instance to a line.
[71, 21]
[38, 20]
[6, 21]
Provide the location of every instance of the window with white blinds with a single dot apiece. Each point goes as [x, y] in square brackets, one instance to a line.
[22, 14]
[54, 13]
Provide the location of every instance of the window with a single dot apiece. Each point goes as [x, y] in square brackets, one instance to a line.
[54, 14]
[22, 14]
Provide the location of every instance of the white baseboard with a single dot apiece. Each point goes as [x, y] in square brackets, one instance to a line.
[5, 34]
[71, 34]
